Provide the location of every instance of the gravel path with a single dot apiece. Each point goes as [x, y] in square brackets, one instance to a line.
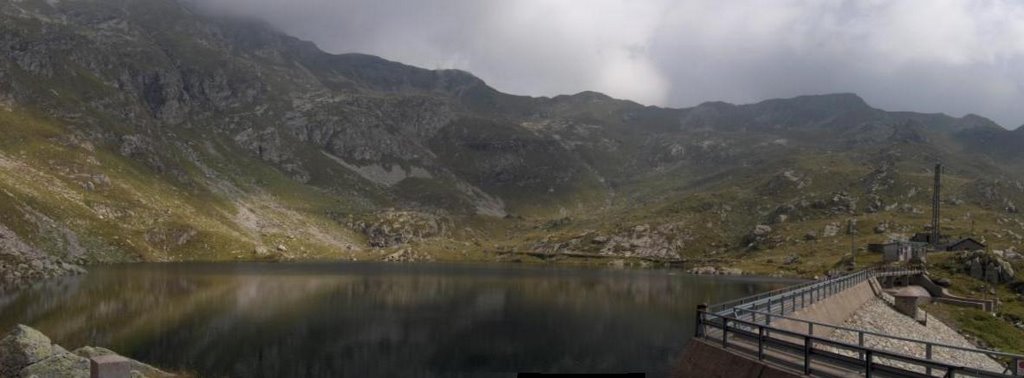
[877, 316]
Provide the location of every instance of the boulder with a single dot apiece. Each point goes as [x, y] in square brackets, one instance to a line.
[25, 352]
[976, 270]
[988, 267]
[59, 364]
[1006, 273]
[762, 230]
[22, 347]
[761, 238]
[703, 270]
[944, 282]
[831, 229]
[992, 272]
[731, 271]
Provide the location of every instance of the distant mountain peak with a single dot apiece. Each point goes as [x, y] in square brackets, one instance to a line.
[585, 96]
[973, 121]
[716, 105]
[831, 100]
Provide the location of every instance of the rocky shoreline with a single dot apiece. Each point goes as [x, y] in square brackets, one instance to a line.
[713, 271]
[22, 265]
[26, 352]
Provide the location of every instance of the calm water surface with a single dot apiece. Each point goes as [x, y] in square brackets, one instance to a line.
[369, 319]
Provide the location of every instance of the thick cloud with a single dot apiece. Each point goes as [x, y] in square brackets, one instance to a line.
[953, 56]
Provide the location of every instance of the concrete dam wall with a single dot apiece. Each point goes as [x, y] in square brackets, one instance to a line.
[835, 309]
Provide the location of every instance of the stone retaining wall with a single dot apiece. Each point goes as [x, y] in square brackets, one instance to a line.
[832, 310]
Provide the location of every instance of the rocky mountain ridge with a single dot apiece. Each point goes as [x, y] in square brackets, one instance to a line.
[149, 131]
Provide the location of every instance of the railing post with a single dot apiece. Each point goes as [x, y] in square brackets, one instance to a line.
[807, 355]
[701, 311]
[860, 342]
[760, 343]
[810, 328]
[867, 364]
[725, 333]
[928, 355]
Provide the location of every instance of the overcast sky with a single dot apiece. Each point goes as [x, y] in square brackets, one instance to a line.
[955, 57]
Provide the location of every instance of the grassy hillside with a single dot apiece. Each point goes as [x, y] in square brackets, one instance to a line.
[147, 131]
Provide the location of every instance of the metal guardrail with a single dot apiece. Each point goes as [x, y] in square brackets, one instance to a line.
[808, 293]
[813, 349]
[757, 312]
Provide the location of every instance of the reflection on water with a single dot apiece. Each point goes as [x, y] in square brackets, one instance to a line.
[360, 319]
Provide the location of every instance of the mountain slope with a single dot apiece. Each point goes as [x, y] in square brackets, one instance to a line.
[144, 130]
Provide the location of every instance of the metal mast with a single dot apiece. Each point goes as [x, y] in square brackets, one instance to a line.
[936, 204]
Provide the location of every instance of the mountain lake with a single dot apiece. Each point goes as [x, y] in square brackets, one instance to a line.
[330, 319]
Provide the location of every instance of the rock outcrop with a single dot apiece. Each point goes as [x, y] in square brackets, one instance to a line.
[987, 267]
[226, 115]
[408, 255]
[26, 352]
[21, 348]
[710, 270]
[22, 264]
[761, 237]
[395, 228]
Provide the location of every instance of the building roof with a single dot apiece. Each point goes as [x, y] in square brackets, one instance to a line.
[965, 240]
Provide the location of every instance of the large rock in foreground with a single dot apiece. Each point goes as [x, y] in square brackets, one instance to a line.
[25, 352]
[59, 364]
[22, 347]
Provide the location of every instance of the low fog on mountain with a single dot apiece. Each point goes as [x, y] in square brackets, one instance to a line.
[950, 56]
